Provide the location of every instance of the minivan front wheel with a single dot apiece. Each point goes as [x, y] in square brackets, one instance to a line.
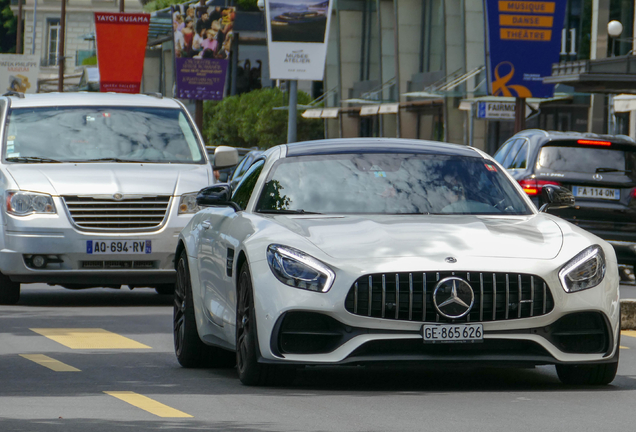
[9, 291]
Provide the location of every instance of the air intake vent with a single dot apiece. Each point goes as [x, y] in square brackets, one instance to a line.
[134, 214]
[409, 296]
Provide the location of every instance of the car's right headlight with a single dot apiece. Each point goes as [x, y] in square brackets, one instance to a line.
[26, 203]
[586, 270]
[299, 270]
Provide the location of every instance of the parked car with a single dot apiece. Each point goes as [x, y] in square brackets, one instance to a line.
[362, 251]
[223, 175]
[242, 167]
[600, 170]
[96, 188]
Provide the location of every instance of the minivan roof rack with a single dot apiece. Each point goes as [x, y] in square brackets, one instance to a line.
[155, 94]
[14, 93]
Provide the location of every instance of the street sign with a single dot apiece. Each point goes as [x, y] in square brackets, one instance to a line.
[499, 110]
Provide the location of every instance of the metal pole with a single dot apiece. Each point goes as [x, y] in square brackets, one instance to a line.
[61, 56]
[396, 45]
[292, 119]
[471, 124]
[234, 55]
[18, 40]
[379, 19]
[198, 104]
[35, 13]
[520, 114]
[121, 6]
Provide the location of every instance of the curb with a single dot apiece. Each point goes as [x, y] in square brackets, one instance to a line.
[628, 314]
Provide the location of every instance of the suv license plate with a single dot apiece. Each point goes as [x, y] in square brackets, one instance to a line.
[452, 333]
[104, 247]
[596, 192]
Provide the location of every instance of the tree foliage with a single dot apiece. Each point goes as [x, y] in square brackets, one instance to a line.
[250, 119]
[8, 27]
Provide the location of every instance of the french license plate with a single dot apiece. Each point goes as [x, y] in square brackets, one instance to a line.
[452, 333]
[96, 247]
[596, 192]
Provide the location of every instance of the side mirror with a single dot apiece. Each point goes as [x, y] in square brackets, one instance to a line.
[219, 194]
[556, 197]
[225, 157]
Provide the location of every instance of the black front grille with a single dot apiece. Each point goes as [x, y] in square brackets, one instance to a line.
[409, 296]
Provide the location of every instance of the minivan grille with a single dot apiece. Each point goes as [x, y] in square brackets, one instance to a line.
[498, 296]
[127, 214]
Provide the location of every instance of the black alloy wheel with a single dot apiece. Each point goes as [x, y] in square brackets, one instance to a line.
[250, 371]
[600, 374]
[191, 352]
[9, 291]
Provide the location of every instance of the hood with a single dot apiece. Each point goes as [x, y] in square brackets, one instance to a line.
[530, 237]
[108, 178]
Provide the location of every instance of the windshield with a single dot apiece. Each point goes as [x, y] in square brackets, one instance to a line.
[389, 184]
[85, 134]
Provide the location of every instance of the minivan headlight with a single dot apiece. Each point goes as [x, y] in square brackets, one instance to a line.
[26, 203]
[299, 270]
[188, 203]
[586, 270]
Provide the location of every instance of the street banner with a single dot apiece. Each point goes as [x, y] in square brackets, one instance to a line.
[19, 72]
[523, 40]
[203, 38]
[121, 48]
[297, 34]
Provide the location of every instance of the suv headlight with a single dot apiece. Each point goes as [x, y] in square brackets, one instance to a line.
[26, 203]
[188, 203]
[586, 270]
[299, 270]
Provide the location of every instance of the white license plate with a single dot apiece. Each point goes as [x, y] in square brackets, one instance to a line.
[596, 192]
[448, 333]
[96, 247]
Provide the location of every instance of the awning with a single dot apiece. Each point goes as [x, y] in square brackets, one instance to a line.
[624, 103]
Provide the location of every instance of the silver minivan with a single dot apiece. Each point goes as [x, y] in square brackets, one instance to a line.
[97, 187]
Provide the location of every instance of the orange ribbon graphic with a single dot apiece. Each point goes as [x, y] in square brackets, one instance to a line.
[499, 87]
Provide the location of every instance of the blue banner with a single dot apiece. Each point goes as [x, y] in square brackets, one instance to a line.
[523, 40]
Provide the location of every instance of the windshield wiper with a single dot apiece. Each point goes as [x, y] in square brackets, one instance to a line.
[607, 170]
[284, 211]
[108, 159]
[32, 159]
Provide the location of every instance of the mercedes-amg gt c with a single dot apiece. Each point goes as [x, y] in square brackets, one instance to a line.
[364, 251]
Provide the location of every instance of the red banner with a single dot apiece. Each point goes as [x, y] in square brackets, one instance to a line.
[121, 49]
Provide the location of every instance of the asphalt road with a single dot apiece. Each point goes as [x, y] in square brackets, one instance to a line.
[133, 382]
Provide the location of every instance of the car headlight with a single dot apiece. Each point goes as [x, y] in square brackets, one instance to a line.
[188, 203]
[586, 270]
[26, 203]
[299, 270]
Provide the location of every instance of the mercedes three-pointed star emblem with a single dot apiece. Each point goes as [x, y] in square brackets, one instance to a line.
[453, 297]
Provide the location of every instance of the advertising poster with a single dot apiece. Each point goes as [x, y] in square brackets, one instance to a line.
[121, 48]
[202, 41]
[19, 72]
[523, 40]
[297, 33]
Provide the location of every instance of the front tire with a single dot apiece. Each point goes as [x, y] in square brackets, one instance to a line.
[9, 291]
[601, 374]
[191, 352]
[250, 371]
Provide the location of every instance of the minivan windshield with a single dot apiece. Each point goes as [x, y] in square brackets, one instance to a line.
[100, 134]
[389, 184]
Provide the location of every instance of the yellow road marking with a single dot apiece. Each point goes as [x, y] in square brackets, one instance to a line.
[147, 404]
[622, 347]
[89, 338]
[630, 333]
[50, 363]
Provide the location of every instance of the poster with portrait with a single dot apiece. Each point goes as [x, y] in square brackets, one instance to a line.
[121, 49]
[297, 33]
[203, 38]
[19, 72]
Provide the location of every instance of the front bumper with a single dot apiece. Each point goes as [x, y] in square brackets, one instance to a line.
[364, 339]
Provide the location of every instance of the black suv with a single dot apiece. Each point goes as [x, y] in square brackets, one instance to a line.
[600, 170]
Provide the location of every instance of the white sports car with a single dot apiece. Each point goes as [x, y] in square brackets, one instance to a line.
[363, 251]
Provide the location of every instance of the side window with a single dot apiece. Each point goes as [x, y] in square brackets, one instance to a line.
[243, 191]
[522, 157]
[503, 151]
[240, 168]
[514, 149]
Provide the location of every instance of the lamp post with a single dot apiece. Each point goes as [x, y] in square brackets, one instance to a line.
[614, 30]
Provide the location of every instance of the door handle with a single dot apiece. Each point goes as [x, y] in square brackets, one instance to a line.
[206, 224]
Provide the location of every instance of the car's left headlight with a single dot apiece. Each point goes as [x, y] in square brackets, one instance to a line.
[26, 203]
[188, 203]
[586, 270]
[299, 270]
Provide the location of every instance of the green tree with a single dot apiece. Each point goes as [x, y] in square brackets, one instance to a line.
[8, 28]
[250, 119]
